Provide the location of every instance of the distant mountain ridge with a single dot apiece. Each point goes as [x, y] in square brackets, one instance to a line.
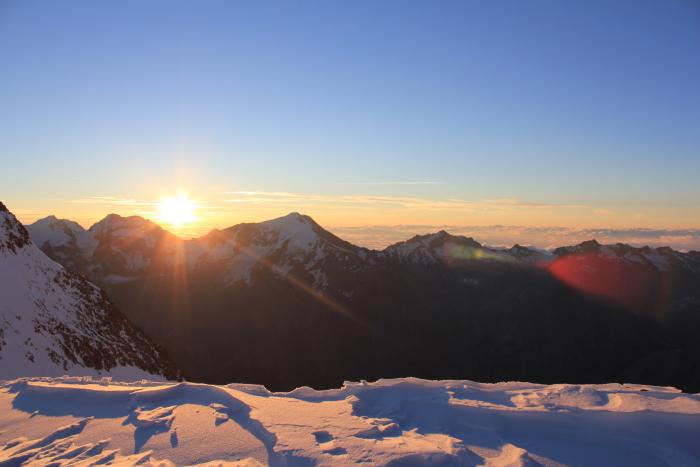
[83, 249]
[50, 232]
[55, 322]
[292, 304]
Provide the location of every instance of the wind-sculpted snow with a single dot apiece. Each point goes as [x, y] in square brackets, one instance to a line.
[84, 421]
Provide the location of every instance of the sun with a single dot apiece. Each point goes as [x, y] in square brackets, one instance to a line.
[177, 210]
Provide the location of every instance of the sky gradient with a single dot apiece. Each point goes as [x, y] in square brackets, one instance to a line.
[373, 113]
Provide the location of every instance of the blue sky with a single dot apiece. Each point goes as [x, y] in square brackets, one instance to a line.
[583, 114]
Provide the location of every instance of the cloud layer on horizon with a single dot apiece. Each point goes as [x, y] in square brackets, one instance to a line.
[379, 237]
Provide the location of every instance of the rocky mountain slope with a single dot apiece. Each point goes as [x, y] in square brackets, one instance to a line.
[291, 304]
[55, 322]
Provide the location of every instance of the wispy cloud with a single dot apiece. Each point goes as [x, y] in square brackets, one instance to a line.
[112, 200]
[452, 204]
[518, 203]
[393, 183]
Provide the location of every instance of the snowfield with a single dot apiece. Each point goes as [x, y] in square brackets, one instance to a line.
[412, 422]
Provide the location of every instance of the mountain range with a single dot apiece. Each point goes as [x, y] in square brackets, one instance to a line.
[286, 303]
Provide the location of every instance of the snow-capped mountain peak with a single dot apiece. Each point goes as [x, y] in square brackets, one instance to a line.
[528, 253]
[291, 244]
[115, 225]
[299, 231]
[435, 248]
[56, 233]
[588, 246]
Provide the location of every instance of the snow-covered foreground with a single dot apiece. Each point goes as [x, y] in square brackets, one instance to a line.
[392, 422]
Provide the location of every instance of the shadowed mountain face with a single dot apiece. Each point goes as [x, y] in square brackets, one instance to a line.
[53, 321]
[286, 303]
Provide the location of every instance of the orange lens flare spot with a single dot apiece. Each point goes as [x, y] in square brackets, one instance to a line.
[635, 287]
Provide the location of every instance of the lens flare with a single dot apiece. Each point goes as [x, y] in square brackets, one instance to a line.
[633, 286]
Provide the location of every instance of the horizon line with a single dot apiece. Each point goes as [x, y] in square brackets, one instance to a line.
[436, 228]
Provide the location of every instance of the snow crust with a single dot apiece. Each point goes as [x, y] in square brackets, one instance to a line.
[391, 422]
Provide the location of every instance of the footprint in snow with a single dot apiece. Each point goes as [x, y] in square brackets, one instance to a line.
[380, 431]
[222, 413]
[336, 451]
[325, 438]
[322, 437]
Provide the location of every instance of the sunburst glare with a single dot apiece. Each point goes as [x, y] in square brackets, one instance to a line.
[177, 210]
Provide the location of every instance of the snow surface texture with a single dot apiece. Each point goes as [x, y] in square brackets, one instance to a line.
[53, 322]
[413, 422]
